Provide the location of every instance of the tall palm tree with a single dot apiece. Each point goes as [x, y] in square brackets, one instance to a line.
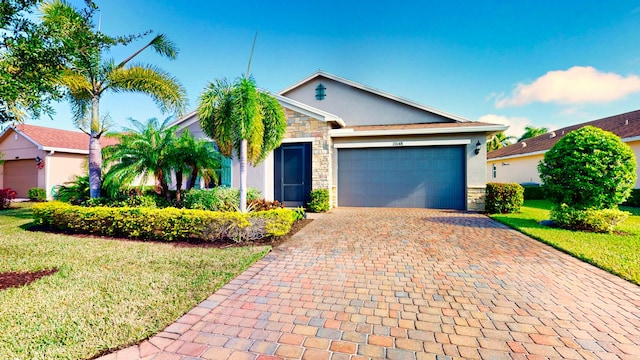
[499, 141]
[238, 117]
[87, 76]
[144, 149]
[532, 131]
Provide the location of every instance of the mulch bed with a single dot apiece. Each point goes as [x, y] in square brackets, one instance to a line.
[17, 279]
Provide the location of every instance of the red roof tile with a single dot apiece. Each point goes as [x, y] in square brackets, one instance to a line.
[62, 139]
[625, 125]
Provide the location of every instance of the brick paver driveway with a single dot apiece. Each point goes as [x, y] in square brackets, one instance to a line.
[409, 284]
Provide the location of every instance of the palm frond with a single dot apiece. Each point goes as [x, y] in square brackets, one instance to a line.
[166, 91]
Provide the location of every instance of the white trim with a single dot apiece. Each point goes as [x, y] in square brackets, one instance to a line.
[400, 143]
[630, 139]
[64, 150]
[376, 92]
[517, 155]
[307, 110]
[297, 140]
[443, 130]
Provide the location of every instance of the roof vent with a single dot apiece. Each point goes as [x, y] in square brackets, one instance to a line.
[524, 144]
[626, 121]
[552, 135]
[562, 132]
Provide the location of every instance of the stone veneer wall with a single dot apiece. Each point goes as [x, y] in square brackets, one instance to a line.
[475, 198]
[303, 126]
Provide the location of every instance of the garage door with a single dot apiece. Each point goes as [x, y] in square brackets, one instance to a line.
[20, 175]
[413, 177]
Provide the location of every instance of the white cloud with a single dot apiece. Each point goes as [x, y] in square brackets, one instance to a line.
[516, 124]
[577, 85]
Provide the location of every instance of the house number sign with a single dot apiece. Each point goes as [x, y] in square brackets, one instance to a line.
[397, 143]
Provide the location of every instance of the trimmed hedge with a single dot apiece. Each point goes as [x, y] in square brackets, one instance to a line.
[504, 198]
[169, 224]
[602, 221]
[217, 199]
[634, 199]
[533, 192]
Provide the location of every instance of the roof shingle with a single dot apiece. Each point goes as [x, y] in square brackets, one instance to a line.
[61, 139]
[625, 125]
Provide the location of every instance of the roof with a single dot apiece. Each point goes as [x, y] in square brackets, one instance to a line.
[375, 91]
[294, 105]
[58, 140]
[626, 126]
[417, 129]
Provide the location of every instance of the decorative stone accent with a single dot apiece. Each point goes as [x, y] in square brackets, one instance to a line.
[475, 198]
[303, 126]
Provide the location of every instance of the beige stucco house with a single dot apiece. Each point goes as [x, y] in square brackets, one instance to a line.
[369, 148]
[37, 156]
[519, 162]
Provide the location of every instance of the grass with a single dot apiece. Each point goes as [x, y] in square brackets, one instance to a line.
[617, 253]
[107, 294]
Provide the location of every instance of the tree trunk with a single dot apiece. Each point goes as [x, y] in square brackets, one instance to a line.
[192, 178]
[95, 151]
[178, 184]
[243, 175]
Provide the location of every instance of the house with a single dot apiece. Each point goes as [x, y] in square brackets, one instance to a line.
[519, 162]
[37, 156]
[369, 148]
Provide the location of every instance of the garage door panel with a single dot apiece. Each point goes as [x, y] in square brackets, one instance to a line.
[417, 177]
[20, 176]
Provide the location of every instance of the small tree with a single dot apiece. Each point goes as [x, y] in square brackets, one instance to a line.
[589, 168]
[239, 117]
[498, 141]
[532, 131]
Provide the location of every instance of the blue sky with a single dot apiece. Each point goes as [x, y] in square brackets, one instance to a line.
[544, 63]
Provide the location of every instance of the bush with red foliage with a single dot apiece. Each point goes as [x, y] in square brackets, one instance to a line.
[6, 195]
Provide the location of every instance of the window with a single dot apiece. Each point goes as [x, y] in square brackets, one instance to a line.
[494, 171]
[320, 94]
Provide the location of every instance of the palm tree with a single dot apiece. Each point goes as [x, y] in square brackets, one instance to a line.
[143, 150]
[87, 76]
[197, 158]
[498, 141]
[532, 131]
[238, 117]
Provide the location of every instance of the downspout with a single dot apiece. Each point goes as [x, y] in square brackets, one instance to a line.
[47, 164]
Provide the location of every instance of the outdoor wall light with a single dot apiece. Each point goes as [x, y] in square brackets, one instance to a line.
[478, 147]
[38, 159]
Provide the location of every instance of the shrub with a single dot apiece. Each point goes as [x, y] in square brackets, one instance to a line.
[634, 199]
[74, 192]
[603, 220]
[37, 194]
[264, 205]
[218, 199]
[167, 224]
[533, 192]
[504, 198]
[6, 195]
[589, 168]
[319, 200]
[299, 214]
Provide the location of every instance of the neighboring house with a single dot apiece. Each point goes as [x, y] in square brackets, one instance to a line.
[369, 148]
[62, 155]
[519, 162]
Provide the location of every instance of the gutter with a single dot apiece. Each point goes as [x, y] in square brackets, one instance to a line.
[446, 130]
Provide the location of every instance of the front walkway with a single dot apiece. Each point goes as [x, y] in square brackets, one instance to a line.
[409, 284]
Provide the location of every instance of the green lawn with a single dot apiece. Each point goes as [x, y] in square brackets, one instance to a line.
[107, 293]
[616, 253]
